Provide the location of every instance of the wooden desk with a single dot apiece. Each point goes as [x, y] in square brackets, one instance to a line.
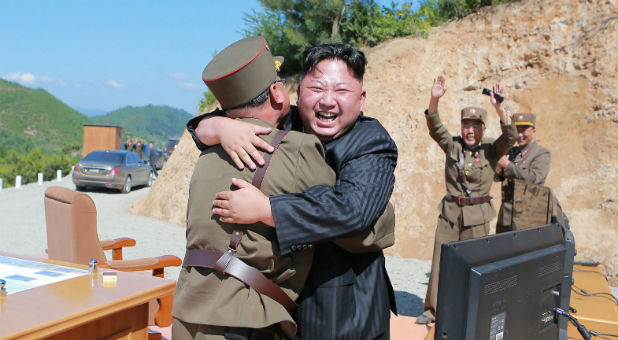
[597, 313]
[82, 308]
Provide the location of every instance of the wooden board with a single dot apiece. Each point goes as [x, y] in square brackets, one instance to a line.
[597, 313]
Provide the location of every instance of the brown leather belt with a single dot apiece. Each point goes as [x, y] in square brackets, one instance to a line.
[463, 200]
[228, 264]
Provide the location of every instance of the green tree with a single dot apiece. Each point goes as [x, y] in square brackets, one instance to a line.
[290, 26]
[449, 9]
[368, 24]
[30, 164]
[207, 99]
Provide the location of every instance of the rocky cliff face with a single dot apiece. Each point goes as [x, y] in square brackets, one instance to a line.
[557, 59]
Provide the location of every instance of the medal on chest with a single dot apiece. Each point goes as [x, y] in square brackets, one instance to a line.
[524, 152]
[477, 158]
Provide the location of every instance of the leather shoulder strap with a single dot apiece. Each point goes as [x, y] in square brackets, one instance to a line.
[229, 264]
[258, 177]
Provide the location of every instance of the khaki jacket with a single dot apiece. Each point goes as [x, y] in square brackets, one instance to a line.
[479, 165]
[204, 296]
[532, 165]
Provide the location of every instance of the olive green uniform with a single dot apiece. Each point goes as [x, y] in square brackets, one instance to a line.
[208, 300]
[205, 296]
[470, 221]
[530, 164]
[208, 303]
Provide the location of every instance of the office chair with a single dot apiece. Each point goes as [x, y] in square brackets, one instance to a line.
[71, 219]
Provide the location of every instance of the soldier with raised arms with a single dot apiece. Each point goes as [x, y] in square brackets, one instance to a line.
[466, 209]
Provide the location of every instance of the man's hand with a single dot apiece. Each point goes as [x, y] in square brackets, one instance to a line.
[497, 89]
[437, 91]
[239, 139]
[503, 162]
[246, 205]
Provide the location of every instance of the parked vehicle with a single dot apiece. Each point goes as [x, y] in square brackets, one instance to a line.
[169, 147]
[114, 169]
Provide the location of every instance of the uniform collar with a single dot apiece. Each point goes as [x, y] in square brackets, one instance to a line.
[474, 148]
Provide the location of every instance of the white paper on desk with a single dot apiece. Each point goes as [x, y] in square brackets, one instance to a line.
[24, 274]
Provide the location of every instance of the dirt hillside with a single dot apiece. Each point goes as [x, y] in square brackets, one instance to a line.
[557, 59]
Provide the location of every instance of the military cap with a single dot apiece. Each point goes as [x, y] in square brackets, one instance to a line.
[524, 118]
[241, 71]
[474, 113]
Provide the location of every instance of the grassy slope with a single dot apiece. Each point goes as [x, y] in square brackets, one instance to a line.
[154, 123]
[34, 118]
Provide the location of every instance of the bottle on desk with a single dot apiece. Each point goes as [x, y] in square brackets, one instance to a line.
[92, 266]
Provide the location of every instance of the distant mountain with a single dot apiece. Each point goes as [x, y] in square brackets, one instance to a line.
[32, 118]
[90, 112]
[153, 123]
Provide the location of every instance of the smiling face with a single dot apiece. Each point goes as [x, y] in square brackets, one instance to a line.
[472, 131]
[525, 135]
[330, 99]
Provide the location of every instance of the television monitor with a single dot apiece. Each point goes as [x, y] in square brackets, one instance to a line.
[506, 286]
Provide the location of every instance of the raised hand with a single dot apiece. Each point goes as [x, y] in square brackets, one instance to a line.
[497, 89]
[438, 89]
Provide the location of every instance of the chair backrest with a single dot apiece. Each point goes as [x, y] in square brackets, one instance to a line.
[71, 219]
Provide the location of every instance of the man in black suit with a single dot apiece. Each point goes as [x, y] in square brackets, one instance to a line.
[347, 295]
[153, 156]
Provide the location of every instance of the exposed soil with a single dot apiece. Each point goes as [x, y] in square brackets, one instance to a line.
[557, 59]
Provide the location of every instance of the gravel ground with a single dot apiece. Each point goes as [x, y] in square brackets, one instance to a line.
[22, 230]
[22, 226]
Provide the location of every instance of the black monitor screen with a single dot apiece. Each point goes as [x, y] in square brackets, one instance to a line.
[505, 286]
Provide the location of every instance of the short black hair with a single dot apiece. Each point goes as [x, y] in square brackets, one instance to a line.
[259, 99]
[256, 101]
[355, 59]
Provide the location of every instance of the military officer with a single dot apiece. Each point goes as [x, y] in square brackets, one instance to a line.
[466, 209]
[528, 161]
[212, 304]
[348, 293]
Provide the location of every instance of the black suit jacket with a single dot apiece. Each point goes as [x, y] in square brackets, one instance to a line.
[347, 296]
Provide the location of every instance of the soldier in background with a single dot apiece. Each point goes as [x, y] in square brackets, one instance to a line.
[528, 161]
[466, 209]
[139, 148]
[128, 145]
